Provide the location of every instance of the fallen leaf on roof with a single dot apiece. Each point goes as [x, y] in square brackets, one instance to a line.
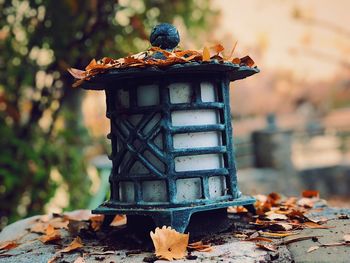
[8, 245]
[53, 259]
[259, 239]
[306, 202]
[206, 54]
[268, 247]
[75, 227]
[275, 216]
[310, 194]
[199, 246]
[313, 248]
[50, 235]
[297, 239]
[168, 243]
[277, 235]
[74, 245]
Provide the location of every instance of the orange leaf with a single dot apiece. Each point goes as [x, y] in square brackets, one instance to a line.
[268, 247]
[96, 222]
[51, 235]
[77, 73]
[217, 48]
[91, 65]
[206, 54]
[168, 243]
[8, 245]
[118, 220]
[310, 193]
[247, 61]
[199, 246]
[74, 245]
[236, 61]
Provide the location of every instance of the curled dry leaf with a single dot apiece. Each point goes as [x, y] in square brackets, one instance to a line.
[313, 248]
[168, 243]
[315, 225]
[206, 54]
[200, 247]
[96, 222]
[346, 238]
[51, 234]
[8, 245]
[79, 260]
[74, 245]
[118, 220]
[268, 247]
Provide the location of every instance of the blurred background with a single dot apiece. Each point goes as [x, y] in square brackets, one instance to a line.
[291, 121]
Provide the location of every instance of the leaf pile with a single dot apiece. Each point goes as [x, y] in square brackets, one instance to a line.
[157, 57]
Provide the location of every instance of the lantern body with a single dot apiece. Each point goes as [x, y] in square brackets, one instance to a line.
[172, 146]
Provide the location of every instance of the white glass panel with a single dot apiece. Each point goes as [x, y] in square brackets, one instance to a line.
[197, 139]
[217, 186]
[198, 162]
[188, 189]
[147, 95]
[154, 191]
[180, 93]
[126, 191]
[194, 117]
[208, 92]
[122, 98]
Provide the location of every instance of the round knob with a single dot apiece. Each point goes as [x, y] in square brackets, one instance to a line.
[165, 36]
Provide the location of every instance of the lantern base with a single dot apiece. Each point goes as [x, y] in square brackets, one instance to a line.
[176, 217]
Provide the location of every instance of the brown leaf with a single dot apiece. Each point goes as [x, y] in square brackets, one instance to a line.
[279, 235]
[74, 226]
[74, 245]
[217, 48]
[77, 73]
[313, 248]
[259, 239]
[206, 54]
[293, 240]
[268, 247]
[8, 245]
[315, 225]
[50, 235]
[96, 222]
[346, 238]
[118, 220]
[275, 216]
[53, 259]
[311, 193]
[236, 61]
[79, 260]
[247, 61]
[199, 246]
[168, 243]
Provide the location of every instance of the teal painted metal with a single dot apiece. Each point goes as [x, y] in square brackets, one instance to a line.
[130, 140]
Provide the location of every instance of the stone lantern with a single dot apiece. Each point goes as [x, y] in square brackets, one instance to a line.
[171, 134]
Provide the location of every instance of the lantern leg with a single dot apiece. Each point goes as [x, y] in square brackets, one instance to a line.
[251, 208]
[178, 220]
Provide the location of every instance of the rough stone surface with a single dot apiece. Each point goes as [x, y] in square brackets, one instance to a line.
[227, 248]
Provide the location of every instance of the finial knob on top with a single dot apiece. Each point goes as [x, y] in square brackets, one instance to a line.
[165, 36]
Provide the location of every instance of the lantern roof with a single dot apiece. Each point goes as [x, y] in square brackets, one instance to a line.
[162, 59]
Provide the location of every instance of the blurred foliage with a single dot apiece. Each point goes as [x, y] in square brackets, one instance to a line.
[40, 118]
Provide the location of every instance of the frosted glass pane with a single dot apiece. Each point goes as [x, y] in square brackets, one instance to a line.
[194, 117]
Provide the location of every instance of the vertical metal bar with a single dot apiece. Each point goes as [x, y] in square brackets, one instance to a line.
[168, 140]
[231, 180]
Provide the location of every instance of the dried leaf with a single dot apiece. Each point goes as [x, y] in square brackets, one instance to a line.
[293, 240]
[268, 247]
[315, 225]
[310, 194]
[199, 246]
[217, 48]
[96, 222]
[118, 220]
[8, 245]
[74, 245]
[206, 54]
[168, 243]
[53, 259]
[306, 202]
[247, 61]
[275, 216]
[79, 260]
[50, 235]
[74, 226]
[346, 238]
[236, 61]
[313, 248]
[259, 239]
[77, 73]
[279, 235]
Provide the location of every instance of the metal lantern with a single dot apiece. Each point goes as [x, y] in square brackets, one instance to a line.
[171, 134]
